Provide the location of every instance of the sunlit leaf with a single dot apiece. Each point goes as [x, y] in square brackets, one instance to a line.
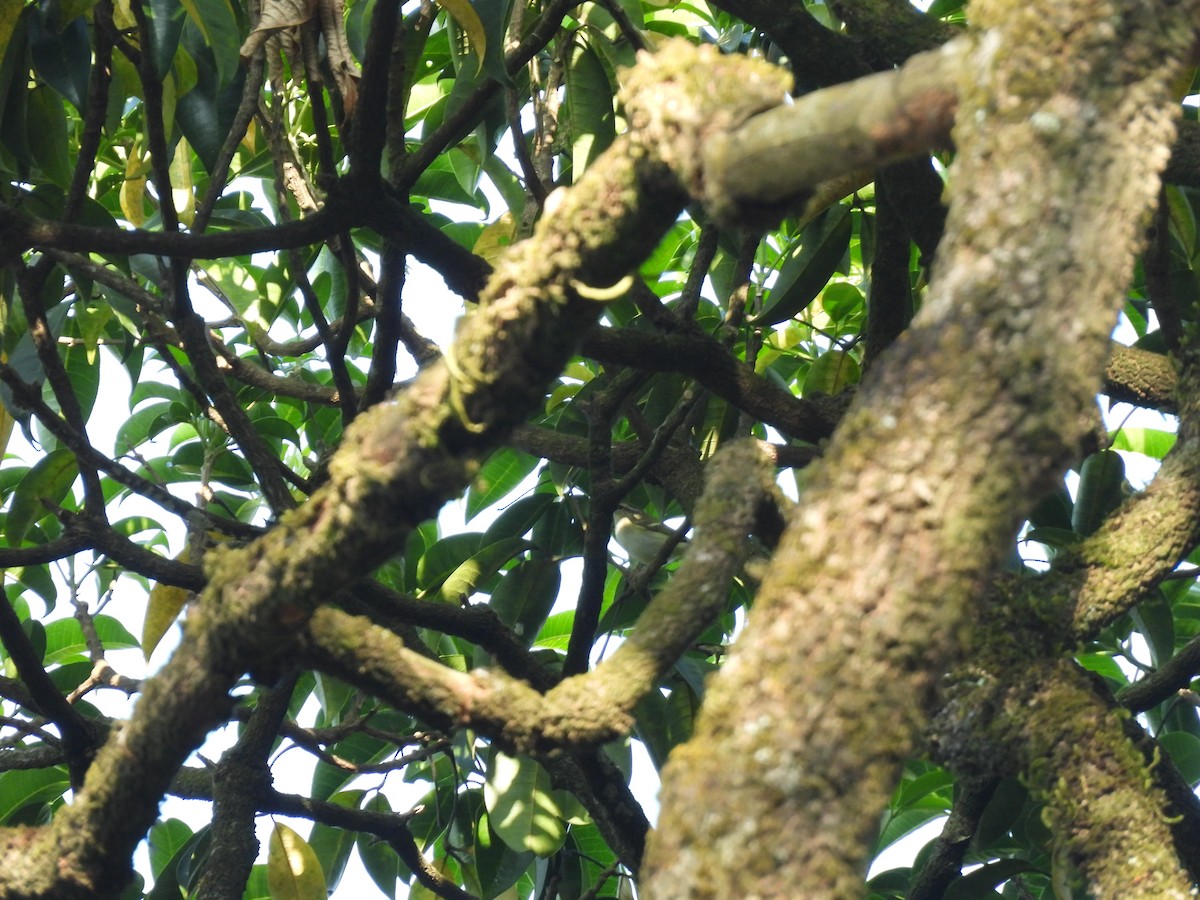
[502, 472]
[181, 184]
[65, 640]
[831, 373]
[520, 805]
[293, 871]
[590, 104]
[167, 837]
[468, 20]
[20, 788]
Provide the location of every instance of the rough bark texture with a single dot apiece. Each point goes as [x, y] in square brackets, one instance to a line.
[1064, 122]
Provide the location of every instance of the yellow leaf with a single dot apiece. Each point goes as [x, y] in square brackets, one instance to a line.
[166, 603]
[123, 17]
[1183, 83]
[293, 870]
[133, 191]
[181, 183]
[248, 139]
[168, 102]
[6, 428]
[10, 11]
[495, 238]
[468, 20]
[6, 419]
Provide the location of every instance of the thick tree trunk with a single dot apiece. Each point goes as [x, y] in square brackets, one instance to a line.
[1064, 122]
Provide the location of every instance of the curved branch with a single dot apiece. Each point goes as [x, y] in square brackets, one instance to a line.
[691, 352]
[587, 709]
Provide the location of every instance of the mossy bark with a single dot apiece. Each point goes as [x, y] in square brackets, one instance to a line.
[1064, 121]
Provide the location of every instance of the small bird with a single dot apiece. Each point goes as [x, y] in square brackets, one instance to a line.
[639, 536]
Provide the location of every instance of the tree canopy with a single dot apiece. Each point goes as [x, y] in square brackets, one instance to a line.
[707, 257]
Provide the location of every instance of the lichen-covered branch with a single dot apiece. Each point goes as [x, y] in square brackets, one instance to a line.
[1143, 540]
[860, 124]
[968, 416]
[587, 709]
[1049, 720]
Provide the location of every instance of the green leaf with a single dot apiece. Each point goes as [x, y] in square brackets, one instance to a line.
[1152, 442]
[1104, 665]
[468, 20]
[502, 472]
[357, 748]
[379, 859]
[258, 886]
[182, 866]
[331, 845]
[589, 108]
[1182, 219]
[498, 865]
[981, 882]
[38, 580]
[650, 717]
[143, 425]
[832, 372]
[931, 788]
[1001, 812]
[808, 267]
[85, 377]
[841, 300]
[559, 533]
[1055, 538]
[47, 133]
[20, 788]
[167, 18]
[1184, 750]
[205, 114]
[218, 25]
[1101, 490]
[443, 558]
[897, 825]
[525, 596]
[167, 837]
[1054, 511]
[1153, 618]
[520, 804]
[64, 638]
[472, 573]
[62, 59]
[10, 14]
[520, 517]
[293, 871]
[40, 493]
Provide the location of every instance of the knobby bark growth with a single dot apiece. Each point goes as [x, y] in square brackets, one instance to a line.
[973, 413]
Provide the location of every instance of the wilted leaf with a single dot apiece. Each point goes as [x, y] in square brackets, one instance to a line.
[276, 15]
[341, 60]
